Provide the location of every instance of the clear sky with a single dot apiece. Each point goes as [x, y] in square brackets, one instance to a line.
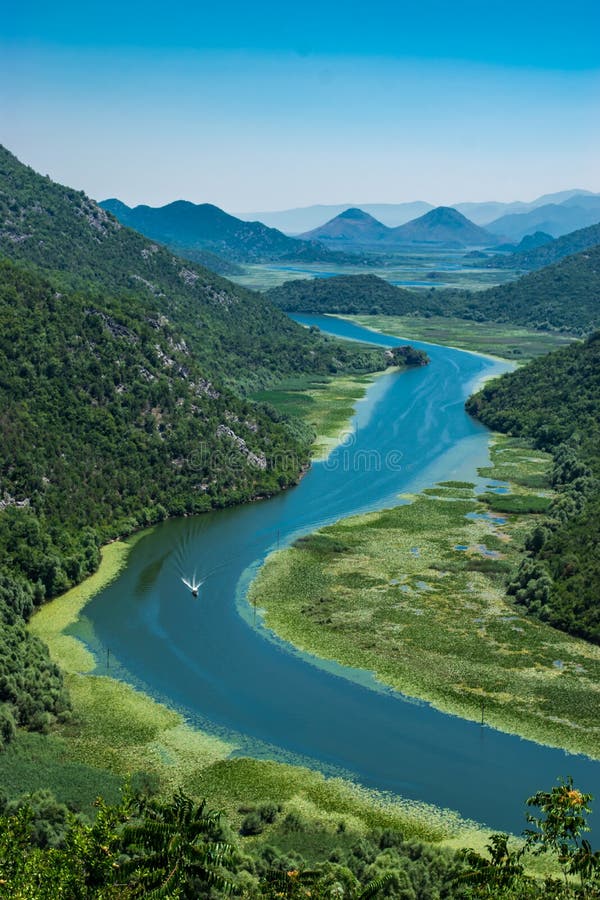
[264, 105]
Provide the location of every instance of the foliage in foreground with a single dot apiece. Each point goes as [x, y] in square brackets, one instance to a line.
[181, 849]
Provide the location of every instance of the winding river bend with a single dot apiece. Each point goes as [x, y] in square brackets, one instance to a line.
[224, 672]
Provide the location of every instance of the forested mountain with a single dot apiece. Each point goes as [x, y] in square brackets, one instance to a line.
[555, 218]
[115, 412]
[563, 296]
[556, 401]
[549, 252]
[189, 228]
[342, 294]
[353, 226]
[235, 334]
[442, 225]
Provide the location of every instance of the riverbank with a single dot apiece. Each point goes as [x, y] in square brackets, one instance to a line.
[490, 338]
[326, 404]
[416, 594]
[117, 732]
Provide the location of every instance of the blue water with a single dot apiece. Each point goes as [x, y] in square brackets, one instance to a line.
[212, 659]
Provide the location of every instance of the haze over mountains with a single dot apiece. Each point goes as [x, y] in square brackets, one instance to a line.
[443, 225]
[531, 254]
[194, 229]
[553, 218]
[300, 220]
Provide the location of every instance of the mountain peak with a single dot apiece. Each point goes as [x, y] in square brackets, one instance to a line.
[352, 225]
[355, 214]
[442, 225]
[444, 214]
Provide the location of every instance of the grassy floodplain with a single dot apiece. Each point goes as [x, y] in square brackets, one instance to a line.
[415, 270]
[506, 341]
[416, 594]
[118, 733]
[326, 404]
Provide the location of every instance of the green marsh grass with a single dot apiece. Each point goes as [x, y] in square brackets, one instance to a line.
[117, 732]
[507, 341]
[326, 404]
[437, 624]
[345, 575]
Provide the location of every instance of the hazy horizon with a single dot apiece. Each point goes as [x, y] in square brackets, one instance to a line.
[350, 204]
[260, 109]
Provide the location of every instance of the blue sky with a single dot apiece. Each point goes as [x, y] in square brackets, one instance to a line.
[266, 106]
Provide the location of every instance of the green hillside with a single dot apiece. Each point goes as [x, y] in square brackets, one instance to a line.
[122, 373]
[234, 333]
[549, 252]
[556, 401]
[351, 294]
[564, 296]
[190, 228]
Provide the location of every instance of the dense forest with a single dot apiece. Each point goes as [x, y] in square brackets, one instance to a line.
[123, 371]
[145, 847]
[235, 334]
[556, 401]
[564, 296]
[349, 294]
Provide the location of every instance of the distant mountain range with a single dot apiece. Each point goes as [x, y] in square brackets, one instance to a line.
[208, 235]
[301, 220]
[354, 226]
[553, 218]
[531, 258]
[442, 226]
[195, 230]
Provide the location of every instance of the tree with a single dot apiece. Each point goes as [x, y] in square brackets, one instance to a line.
[559, 828]
[177, 849]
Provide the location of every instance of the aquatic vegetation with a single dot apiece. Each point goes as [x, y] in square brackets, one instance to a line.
[326, 404]
[326, 800]
[508, 341]
[51, 620]
[463, 644]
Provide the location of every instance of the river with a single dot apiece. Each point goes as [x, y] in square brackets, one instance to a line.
[213, 661]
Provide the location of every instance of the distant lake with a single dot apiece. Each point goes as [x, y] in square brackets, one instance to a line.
[209, 659]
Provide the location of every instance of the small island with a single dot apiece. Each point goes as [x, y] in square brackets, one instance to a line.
[407, 356]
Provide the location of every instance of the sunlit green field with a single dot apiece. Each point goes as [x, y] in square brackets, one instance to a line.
[416, 594]
[508, 341]
[326, 404]
[118, 733]
[417, 271]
